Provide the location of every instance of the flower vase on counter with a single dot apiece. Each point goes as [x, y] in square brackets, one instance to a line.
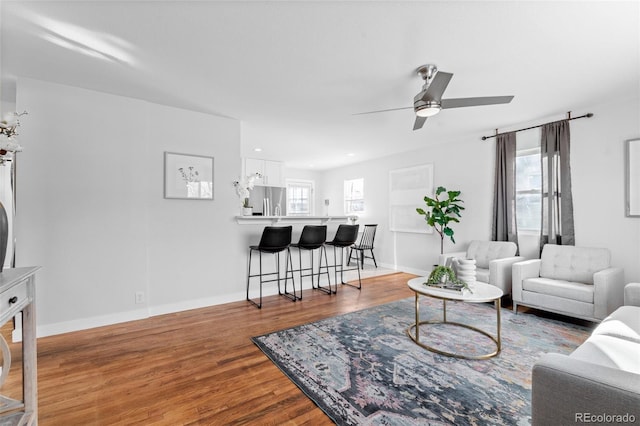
[247, 209]
[243, 189]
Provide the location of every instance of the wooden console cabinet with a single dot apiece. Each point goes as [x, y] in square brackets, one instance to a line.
[17, 294]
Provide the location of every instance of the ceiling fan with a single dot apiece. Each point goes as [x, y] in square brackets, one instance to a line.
[429, 101]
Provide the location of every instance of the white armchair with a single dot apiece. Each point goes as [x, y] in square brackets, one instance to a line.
[493, 261]
[569, 280]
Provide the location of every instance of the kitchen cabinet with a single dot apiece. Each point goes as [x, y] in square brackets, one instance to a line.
[271, 171]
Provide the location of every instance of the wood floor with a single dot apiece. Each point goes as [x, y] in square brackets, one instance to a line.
[197, 367]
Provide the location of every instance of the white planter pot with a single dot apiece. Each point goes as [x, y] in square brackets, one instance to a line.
[247, 211]
[466, 270]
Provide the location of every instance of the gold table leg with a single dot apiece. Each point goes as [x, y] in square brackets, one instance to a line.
[416, 337]
[444, 310]
[499, 340]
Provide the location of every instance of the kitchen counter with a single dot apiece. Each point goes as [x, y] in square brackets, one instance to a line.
[291, 220]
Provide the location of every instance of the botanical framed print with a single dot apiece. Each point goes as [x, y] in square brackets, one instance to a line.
[188, 176]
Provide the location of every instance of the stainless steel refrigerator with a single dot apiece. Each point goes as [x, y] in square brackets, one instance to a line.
[269, 200]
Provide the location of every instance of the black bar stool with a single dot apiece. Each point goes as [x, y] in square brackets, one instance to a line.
[274, 240]
[345, 237]
[312, 238]
[365, 243]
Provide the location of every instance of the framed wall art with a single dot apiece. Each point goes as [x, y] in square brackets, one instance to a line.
[633, 178]
[188, 176]
[407, 188]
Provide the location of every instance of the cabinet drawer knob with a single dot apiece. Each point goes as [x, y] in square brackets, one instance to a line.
[13, 300]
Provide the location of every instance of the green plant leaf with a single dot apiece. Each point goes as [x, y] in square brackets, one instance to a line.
[453, 194]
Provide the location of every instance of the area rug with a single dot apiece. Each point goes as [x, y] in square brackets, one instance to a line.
[362, 369]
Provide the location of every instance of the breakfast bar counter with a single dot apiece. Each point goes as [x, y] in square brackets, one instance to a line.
[291, 220]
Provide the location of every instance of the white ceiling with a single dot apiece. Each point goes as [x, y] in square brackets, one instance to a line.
[294, 73]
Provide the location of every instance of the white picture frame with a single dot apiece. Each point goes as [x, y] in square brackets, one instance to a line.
[407, 189]
[632, 157]
[188, 176]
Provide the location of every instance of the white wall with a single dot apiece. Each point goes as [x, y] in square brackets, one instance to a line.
[91, 210]
[598, 179]
[597, 159]
[6, 106]
[415, 252]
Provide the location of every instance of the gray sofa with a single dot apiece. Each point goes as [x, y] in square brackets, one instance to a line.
[575, 281]
[599, 383]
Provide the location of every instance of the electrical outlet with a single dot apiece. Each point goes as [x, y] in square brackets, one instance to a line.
[139, 297]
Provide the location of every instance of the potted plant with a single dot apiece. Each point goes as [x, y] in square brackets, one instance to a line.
[442, 211]
[243, 189]
[445, 277]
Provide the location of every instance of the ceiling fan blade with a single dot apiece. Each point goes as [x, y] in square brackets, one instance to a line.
[382, 110]
[467, 102]
[419, 122]
[437, 87]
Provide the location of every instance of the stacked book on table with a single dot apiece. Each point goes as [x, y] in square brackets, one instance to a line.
[446, 286]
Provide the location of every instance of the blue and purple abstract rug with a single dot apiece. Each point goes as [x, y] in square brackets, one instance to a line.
[362, 369]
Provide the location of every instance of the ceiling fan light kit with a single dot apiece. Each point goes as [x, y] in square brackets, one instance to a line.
[428, 110]
[429, 101]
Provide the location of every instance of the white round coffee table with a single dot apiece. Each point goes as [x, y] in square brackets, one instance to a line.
[482, 292]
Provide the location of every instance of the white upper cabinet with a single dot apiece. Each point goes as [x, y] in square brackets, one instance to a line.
[271, 171]
[251, 166]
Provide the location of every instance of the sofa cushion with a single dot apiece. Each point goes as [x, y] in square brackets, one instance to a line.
[572, 263]
[623, 323]
[610, 351]
[560, 288]
[486, 251]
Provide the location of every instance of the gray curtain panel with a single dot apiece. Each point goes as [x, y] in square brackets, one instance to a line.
[504, 203]
[557, 201]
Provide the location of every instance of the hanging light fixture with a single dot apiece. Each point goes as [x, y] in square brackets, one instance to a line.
[429, 109]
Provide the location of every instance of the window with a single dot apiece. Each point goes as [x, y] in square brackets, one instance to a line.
[528, 190]
[354, 196]
[300, 197]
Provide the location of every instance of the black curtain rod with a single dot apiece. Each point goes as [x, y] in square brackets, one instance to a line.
[588, 115]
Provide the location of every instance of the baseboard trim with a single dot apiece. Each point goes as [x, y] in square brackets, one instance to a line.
[408, 270]
[138, 314]
[269, 289]
[83, 324]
